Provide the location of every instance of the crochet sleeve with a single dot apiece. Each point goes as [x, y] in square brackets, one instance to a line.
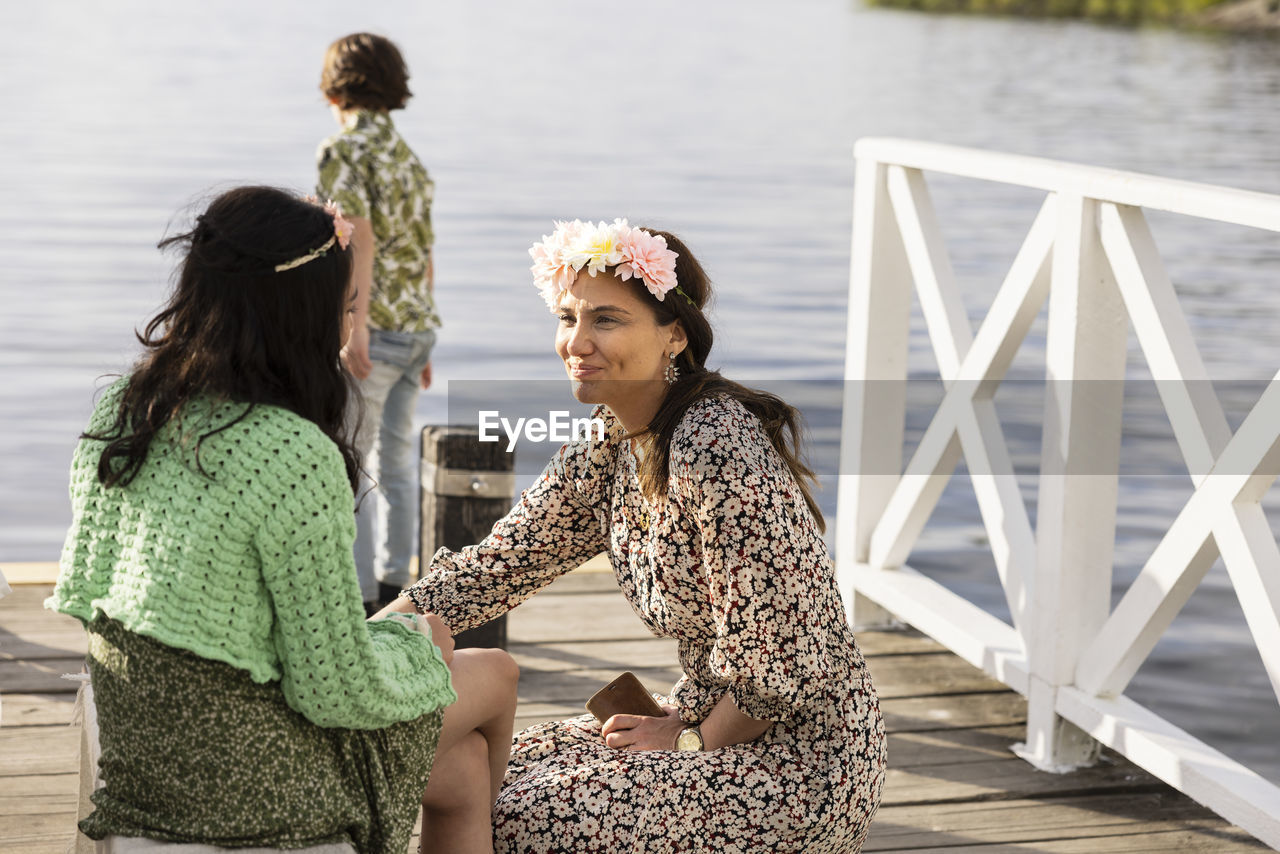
[341, 176]
[338, 670]
[558, 523]
[770, 644]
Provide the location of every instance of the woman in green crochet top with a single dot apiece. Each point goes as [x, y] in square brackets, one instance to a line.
[242, 699]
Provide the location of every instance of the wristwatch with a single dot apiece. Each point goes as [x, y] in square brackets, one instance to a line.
[690, 738]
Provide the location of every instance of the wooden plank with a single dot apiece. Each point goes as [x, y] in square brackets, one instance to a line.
[43, 676]
[36, 709]
[915, 750]
[920, 714]
[580, 655]
[40, 785]
[895, 642]
[27, 630]
[1009, 777]
[58, 844]
[24, 607]
[36, 645]
[39, 572]
[1211, 840]
[33, 802]
[39, 750]
[927, 674]
[46, 834]
[37, 811]
[27, 597]
[968, 823]
[549, 619]
[578, 617]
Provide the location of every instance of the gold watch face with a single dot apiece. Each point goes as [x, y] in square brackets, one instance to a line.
[689, 739]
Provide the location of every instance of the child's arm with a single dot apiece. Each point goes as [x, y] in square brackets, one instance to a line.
[425, 379]
[356, 353]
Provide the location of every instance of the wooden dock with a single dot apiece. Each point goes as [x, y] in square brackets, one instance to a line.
[953, 786]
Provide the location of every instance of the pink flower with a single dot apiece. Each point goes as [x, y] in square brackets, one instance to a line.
[342, 228]
[647, 257]
[552, 268]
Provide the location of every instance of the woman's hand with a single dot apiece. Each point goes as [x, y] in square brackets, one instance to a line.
[428, 624]
[441, 636]
[639, 732]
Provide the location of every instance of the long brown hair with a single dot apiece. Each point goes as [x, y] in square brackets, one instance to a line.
[782, 423]
[239, 330]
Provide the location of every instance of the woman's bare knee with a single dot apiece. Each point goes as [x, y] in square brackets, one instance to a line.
[491, 674]
[495, 664]
[504, 669]
[485, 681]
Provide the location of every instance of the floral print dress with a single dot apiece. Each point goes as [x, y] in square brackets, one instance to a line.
[732, 565]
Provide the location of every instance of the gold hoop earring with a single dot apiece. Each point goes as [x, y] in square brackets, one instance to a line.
[671, 373]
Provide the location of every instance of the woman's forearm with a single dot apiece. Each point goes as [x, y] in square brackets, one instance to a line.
[726, 725]
[399, 605]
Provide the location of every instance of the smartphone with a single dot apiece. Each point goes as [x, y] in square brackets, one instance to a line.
[624, 696]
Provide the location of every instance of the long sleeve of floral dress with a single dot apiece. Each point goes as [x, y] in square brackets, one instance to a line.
[558, 523]
[757, 541]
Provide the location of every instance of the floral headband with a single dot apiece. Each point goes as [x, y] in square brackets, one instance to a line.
[342, 230]
[632, 252]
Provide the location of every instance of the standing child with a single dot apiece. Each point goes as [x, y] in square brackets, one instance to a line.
[385, 191]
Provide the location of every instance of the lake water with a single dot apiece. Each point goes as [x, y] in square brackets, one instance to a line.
[731, 123]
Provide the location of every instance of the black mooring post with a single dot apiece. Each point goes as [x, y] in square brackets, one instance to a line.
[467, 485]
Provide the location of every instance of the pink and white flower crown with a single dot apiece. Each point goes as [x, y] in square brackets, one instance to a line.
[632, 252]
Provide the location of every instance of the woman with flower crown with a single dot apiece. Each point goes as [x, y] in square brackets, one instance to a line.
[772, 740]
[242, 700]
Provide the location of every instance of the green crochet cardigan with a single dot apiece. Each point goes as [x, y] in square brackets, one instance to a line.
[239, 550]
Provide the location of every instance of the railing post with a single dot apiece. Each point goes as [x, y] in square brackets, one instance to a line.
[875, 382]
[1076, 516]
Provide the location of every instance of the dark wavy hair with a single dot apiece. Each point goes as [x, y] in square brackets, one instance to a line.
[239, 330]
[782, 423]
[364, 71]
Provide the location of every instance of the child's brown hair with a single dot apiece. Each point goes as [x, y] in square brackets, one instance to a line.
[365, 72]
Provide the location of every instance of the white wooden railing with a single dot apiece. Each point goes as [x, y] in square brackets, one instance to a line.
[1091, 254]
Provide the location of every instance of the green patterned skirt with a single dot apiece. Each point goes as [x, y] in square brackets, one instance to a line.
[193, 750]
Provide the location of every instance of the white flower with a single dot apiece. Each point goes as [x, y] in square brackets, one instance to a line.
[595, 247]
